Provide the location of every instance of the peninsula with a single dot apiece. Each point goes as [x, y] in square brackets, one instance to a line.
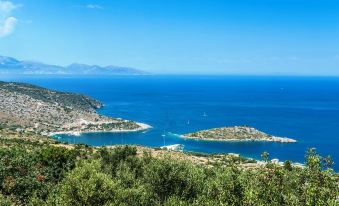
[34, 109]
[236, 133]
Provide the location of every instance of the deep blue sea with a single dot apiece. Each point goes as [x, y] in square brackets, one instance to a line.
[302, 108]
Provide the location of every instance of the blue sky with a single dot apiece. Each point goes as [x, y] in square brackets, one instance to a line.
[273, 37]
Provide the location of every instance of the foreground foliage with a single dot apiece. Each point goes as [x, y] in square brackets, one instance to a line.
[37, 173]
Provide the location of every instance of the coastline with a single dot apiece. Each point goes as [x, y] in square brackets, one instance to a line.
[142, 127]
[274, 139]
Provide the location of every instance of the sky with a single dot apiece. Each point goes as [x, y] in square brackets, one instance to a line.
[242, 37]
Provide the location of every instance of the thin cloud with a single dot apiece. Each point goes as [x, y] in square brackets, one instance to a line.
[6, 7]
[7, 22]
[93, 6]
[8, 26]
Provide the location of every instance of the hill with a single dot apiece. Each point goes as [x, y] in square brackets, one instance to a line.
[33, 108]
[236, 133]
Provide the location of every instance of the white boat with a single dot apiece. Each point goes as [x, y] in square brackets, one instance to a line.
[76, 133]
[174, 147]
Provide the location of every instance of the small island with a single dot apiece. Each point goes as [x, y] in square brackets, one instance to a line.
[235, 133]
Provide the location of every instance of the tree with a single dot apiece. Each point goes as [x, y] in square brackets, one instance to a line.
[57, 160]
[86, 185]
[288, 165]
[4, 201]
[167, 177]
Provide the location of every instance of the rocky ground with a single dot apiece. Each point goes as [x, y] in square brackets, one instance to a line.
[35, 109]
[236, 133]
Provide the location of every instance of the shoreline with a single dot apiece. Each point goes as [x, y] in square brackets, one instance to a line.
[142, 127]
[274, 139]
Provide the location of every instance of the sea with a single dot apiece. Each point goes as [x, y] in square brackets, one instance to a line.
[302, 108]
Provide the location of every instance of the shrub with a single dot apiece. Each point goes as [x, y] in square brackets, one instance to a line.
[85, 185]
[56, 161]
[4, 201]
[166, 178]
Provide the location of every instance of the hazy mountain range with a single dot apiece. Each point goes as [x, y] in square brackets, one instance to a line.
[10, 65]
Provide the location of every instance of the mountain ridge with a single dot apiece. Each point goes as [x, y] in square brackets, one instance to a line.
[10, 65]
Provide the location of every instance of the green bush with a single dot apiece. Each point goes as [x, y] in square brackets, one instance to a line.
[56, 161]
[166, 178]
[85, 185]
[4, 201]
[18, 173]
[32, 173]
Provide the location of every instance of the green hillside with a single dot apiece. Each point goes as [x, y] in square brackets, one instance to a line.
[39, 171]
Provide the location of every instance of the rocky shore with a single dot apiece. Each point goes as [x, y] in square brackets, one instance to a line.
[236, 133]
[99, 129]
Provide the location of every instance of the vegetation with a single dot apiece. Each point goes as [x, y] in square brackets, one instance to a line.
[44, 173]
[235, 133]
[27, 108]
[66, 99]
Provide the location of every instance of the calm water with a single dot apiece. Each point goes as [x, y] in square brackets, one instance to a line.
[303, 108]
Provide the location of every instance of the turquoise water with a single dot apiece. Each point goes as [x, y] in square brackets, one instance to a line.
[302, 108]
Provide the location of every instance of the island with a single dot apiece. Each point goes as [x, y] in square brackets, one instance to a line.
[235, 133]
[29, 108]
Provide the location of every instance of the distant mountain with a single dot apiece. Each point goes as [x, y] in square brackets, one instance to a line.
[95, 69]
[9, 65]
